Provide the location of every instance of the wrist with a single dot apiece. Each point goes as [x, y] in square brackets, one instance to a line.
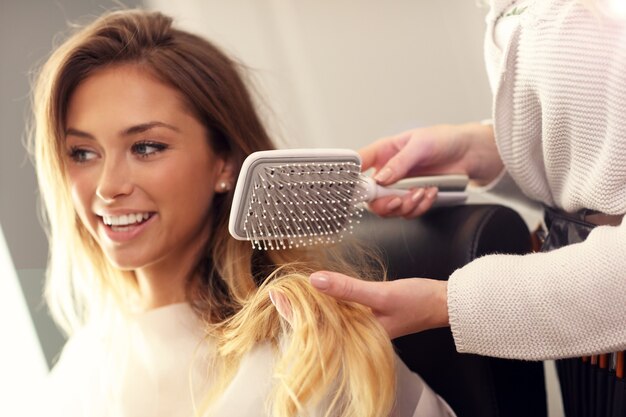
[441, 318]
[483, 162]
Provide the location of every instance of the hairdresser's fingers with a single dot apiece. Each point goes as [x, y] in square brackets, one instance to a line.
[347, 288]
[386, 206]
[377, 153]
[415, 203]
[425, 203]
[411, 156]
[413, 305]
[392, 158]
[402, 306]
[411, 202]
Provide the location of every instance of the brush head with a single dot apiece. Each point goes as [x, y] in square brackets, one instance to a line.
[298, 197]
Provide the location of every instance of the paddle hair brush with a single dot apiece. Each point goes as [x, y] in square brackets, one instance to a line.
[301, 197]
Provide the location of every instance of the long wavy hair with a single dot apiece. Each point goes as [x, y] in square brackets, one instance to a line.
[227, 290]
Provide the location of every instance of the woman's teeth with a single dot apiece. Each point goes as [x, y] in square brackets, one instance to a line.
[126, 219]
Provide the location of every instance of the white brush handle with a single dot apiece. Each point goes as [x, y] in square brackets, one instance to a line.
[444, 198]
[444, 182]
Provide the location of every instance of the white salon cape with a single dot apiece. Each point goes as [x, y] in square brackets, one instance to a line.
[154, 365]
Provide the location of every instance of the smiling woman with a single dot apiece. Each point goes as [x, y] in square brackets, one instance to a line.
[140, 132]
[142, 177]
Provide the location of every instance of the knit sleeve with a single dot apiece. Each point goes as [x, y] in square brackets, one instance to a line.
[564, 303]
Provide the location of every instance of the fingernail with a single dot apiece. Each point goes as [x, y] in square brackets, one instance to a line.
[417, 195]
[383, 175]
[432, 193]
[278, 300]
[394, 204]
[272, 299]
[320, 282]
[281, 304]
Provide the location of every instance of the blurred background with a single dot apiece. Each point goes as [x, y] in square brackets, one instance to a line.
[326, 73]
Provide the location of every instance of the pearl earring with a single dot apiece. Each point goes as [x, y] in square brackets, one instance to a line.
[224, 186]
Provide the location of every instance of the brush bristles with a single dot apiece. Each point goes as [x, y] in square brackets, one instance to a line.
[303, 204]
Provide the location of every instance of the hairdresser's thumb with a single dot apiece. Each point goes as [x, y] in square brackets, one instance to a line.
[345, 288]
[396, 168]
[320, 281]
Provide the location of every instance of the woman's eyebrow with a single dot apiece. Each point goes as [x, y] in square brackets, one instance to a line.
[133, 130]
[75, 132]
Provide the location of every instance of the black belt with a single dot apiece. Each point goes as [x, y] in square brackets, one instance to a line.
[592, 386]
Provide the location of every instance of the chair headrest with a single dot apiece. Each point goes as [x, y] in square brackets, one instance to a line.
[444, 239]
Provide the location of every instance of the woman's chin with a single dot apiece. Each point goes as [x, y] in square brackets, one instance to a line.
[124, 263]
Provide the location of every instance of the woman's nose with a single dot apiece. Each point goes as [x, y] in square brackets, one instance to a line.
[115, 181]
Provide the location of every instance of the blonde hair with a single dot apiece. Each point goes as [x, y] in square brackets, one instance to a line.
[330, 351]
[83, 286]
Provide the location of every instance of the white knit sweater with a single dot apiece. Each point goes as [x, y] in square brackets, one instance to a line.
[560, 124]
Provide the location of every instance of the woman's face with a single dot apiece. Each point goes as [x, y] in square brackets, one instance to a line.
[140, 167]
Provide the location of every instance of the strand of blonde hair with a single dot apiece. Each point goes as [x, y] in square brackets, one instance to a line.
[330, 353]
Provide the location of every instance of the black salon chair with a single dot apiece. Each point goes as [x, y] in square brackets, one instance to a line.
[434, 246]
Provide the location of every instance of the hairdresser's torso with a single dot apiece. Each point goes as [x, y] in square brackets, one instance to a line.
[559, 81]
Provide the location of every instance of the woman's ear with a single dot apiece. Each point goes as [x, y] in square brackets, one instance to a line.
[225, 180]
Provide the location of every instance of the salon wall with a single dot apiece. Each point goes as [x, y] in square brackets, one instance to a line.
[341, 73]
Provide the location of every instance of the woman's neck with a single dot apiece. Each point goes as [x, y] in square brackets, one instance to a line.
[165, 283]
[160, 291]
[167, 280]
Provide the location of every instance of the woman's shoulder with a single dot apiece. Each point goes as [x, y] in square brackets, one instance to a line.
[249, 389]
[414, 398]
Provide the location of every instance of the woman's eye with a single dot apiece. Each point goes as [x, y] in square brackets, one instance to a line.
[81, 155]
[148, 148]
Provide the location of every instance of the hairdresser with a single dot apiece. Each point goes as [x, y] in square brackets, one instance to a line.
[557, 69]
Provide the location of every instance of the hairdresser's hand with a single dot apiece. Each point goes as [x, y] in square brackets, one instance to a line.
[403, 306]
[444, 149]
